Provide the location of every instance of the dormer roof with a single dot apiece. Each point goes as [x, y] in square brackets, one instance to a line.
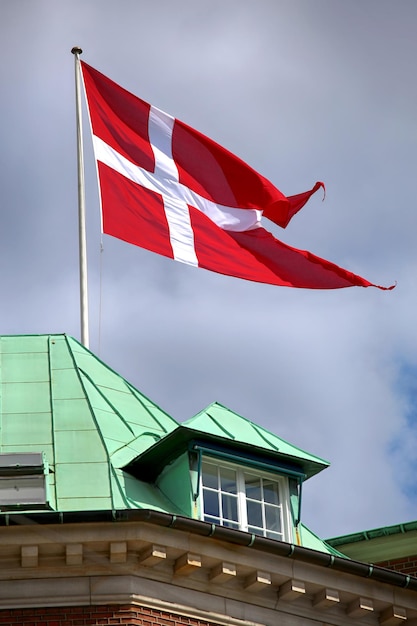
[219, 421]
[218, 430]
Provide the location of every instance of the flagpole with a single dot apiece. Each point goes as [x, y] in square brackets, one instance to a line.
[76, 51]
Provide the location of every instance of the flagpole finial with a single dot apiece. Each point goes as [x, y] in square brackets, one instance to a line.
[76, 50]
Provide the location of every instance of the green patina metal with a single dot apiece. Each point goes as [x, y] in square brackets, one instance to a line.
[219, 421]
[108, 447]
[379, 544]
[310, 540]
[58, 398]
[176, 480]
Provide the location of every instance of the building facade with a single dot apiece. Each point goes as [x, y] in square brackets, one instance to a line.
[111, 512]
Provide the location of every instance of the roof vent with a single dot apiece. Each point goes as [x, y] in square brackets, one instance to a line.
[23, 481]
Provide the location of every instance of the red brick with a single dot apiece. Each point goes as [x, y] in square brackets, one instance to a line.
[111, 615]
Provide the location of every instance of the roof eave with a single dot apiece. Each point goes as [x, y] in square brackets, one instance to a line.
[154, 459]
[220, 533]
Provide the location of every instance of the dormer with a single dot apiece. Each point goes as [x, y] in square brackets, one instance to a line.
[224, 469]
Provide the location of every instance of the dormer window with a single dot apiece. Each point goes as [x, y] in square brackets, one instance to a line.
[242, 498]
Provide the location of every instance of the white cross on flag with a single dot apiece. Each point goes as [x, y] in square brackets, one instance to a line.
[167, 188]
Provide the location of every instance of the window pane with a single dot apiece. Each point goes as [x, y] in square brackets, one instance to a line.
[271, 535]
[273, 518]
[254, 510]
[230, 491]
[253, 487]
[209, 475]
[271, 493]
[228, 480]
[211, 503]
[231, 524]
[229, 504]
[256, 531]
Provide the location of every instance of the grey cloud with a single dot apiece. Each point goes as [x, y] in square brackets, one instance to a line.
[302, 93]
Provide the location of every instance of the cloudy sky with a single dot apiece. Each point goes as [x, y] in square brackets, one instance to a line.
[303, 91]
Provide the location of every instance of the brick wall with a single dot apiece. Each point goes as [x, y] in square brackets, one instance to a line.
[406, 565]
[96, 616]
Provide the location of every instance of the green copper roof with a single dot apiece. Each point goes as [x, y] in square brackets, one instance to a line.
[310, 540]
[56, 397]
[219, 421]
[379, 544]
[98, 444]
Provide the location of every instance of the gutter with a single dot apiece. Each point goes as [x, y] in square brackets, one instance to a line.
[221, 533]
[376, 533]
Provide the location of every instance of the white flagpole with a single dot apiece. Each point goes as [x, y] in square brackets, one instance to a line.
[76, 51]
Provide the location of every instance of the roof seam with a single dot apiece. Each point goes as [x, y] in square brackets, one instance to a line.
[127, 445]
[106, 400]
[269, 441]
[135, 393]
[55, 485]
[262, 436]
[79, 371]
[222, 428]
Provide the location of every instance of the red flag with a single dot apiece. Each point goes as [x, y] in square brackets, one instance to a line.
[167, 188]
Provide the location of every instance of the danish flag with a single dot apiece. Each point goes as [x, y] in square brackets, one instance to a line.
[167, 188]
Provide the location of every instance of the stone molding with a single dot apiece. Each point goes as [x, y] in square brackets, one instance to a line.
[140, 563]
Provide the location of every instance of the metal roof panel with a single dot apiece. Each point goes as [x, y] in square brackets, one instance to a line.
[220, 421]
[60, 399]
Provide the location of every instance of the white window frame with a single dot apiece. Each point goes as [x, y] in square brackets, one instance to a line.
[242, 524]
